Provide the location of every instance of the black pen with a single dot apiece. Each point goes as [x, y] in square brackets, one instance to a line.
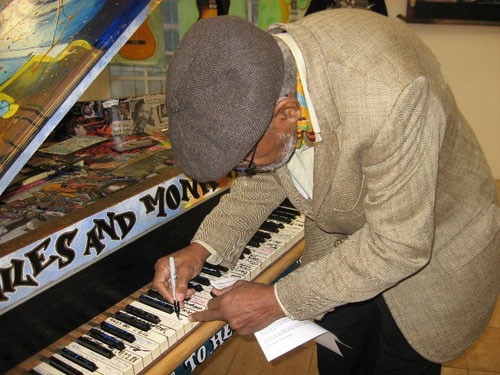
[173, 284]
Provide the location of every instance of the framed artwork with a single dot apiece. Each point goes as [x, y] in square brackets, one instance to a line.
[479, 12]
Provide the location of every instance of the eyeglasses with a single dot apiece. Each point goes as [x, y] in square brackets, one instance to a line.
[247, 166]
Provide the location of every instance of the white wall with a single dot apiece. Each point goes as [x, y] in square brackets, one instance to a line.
[470, 57]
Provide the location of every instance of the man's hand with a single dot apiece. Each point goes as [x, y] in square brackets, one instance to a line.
[246, 306]
[188, 264]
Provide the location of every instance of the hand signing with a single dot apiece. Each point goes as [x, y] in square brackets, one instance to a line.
[246, 306]
[188, 263]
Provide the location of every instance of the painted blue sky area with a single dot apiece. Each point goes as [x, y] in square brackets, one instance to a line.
[35, 27]
[8, 66]
[31, 27]
[42, 23]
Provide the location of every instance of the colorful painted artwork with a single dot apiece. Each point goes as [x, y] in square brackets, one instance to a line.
[50, 51]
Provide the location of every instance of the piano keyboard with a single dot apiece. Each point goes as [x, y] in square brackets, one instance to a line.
[132, 335]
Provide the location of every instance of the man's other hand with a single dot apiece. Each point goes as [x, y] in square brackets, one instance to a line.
[246, 306]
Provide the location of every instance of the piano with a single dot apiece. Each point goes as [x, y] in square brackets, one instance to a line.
[75, 261]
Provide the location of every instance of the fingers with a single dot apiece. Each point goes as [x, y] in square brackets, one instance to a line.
[188, 262]
[183, 279]
[161, 277]
[205, 316]
[214, 309]
[246, 306]
[161, 282]
[212, 312]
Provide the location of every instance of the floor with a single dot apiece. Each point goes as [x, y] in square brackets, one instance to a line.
[241, 355]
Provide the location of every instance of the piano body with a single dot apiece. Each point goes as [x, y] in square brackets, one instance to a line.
[78, 241]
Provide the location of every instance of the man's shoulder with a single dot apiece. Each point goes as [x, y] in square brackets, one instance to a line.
[363, 43]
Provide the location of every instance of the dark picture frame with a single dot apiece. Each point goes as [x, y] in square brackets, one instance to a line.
[474, 12]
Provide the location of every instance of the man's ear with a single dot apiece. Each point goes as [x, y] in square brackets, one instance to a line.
[290, 108]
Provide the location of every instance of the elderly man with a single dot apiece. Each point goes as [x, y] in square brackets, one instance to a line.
[347, 114]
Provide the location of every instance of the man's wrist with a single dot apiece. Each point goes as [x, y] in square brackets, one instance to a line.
[200, 252]
[214, 257]
[280, 304]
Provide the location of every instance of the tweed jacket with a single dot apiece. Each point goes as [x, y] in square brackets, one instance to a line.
[404, 203]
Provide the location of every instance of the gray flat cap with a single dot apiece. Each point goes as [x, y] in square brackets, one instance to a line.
[222, 85]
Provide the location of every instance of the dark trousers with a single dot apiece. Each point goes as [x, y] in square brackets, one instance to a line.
[378, 346]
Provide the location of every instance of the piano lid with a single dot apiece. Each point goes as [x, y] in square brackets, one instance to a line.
[50, 52]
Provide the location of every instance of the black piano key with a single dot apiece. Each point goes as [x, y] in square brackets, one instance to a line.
[264, 235]
[34, 372]
[114, 330]
[215, 267]
[157, 304]
[152, 318]
[247, 251]
[272, 223]
[97, 348]
[253, 243]
[211, 272]
[242, 256]
[63, 367]
[258, 239]
[285, 214]
[202, 280]
[270, 228]
[78, 359]
[107, 339]
[155, 294]
[280, 218]
[196, 287]
[132, 321]
[288, 209]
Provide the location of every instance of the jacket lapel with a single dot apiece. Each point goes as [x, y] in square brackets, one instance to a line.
[323, 101]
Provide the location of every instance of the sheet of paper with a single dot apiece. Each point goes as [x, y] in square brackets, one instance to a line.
[286, 334]
[224, 282]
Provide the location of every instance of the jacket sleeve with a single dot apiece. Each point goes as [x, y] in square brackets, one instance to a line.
[239, 214]
[400, 170]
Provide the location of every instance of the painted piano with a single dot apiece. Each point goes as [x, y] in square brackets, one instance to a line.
[89, 202]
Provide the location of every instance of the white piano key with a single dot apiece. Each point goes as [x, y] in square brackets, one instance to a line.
[240, 273]
[267, 252]
[166, 332]
[259, 260]
[133, 359]
[205, 293]
[109, 366]
[145, 354]
[142, 339]
[76, 366]
[196, 307]
[166, 319]
[198, 299]
[46, 369]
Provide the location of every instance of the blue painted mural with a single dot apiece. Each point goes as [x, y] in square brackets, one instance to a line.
[50, 50]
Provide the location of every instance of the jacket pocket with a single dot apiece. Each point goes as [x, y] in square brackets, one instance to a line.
[471, 241]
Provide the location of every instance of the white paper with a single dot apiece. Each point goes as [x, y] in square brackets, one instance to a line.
[286, 334]
[224, 282]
